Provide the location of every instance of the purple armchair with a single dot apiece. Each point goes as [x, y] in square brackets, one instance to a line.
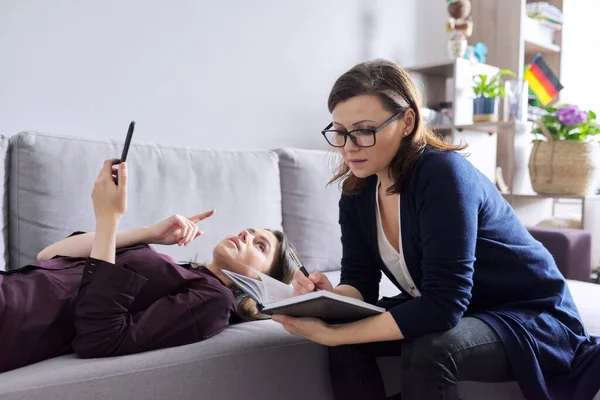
[571, 249]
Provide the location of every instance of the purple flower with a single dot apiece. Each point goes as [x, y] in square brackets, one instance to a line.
[571, 115]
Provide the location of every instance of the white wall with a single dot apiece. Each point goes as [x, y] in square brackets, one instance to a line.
[243, 74]
[198, 73]
[579, 54]
[410, 32]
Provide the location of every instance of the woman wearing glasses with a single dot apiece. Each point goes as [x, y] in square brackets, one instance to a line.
[481, 299]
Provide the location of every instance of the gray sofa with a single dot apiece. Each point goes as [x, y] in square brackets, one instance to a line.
[48, 181]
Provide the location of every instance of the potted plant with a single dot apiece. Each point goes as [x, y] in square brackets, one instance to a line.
[488, 91]
[565, 156]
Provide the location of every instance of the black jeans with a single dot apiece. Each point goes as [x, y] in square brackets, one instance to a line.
[431, 365]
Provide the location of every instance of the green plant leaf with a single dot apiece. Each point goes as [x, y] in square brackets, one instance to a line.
[594, 130]
[506, 72]
[550, 120]
[580, 132]
[491, 87]
[481, 85]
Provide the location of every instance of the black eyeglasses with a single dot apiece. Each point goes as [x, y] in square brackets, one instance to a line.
[360, 137]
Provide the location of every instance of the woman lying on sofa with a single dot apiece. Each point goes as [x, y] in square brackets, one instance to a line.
[108, 293]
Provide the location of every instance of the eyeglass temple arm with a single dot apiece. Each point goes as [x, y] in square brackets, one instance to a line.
[390, 119]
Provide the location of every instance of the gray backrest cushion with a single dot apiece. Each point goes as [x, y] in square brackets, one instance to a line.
[51, 179]
[310, 207]
[3, 198]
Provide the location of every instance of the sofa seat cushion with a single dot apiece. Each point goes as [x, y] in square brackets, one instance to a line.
[587, 298]
[251, 358]
[259, 359]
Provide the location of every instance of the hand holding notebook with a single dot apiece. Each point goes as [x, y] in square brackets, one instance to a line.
[275, 297]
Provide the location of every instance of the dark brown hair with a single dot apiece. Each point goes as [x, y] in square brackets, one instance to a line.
[396, 90]
[282, 269]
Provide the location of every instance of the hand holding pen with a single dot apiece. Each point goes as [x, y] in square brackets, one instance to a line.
[305, 282]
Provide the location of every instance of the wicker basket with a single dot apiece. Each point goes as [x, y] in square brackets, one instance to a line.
[564, 167]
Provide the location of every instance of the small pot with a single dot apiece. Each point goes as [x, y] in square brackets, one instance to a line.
[485, 109]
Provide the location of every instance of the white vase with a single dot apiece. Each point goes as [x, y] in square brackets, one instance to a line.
[457, 47]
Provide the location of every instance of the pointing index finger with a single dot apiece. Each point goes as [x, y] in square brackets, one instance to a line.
[200, 217]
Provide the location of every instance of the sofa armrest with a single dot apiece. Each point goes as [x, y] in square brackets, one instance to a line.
[571, 249]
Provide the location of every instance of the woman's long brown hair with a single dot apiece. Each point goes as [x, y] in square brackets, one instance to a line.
[282, 269]
[396, 90]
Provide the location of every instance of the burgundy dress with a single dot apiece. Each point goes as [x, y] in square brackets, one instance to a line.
[144, 301]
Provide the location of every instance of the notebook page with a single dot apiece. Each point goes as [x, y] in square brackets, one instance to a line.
[274, 290]
[254, 288]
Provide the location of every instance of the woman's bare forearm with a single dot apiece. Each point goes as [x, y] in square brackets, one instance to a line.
[81, 245]
[104, 246]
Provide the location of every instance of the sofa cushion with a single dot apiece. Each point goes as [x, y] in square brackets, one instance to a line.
[587, 298]
[250, 361]
[4, 167]
[51, 179]
[310, 207]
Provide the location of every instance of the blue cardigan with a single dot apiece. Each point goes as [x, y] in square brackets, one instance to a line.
[469, 255]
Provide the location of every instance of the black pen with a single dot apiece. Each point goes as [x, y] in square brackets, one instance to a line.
[300, 265]
[305, 272]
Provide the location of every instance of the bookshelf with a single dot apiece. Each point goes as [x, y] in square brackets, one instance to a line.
[513, 39]
[451, 81]
[486, 127]
[533, 46]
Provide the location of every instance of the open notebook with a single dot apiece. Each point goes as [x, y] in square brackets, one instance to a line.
[275, 297]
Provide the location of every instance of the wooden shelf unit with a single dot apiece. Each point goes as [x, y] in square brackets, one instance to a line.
[452, 81]
[513, 39]
[532, 48]
[484, 127]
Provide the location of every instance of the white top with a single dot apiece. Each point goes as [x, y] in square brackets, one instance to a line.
[394, 260]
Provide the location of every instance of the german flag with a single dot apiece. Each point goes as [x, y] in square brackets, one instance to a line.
[542, 80]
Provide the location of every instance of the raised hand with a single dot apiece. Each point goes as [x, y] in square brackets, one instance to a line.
[110, 199]
[178, 229]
